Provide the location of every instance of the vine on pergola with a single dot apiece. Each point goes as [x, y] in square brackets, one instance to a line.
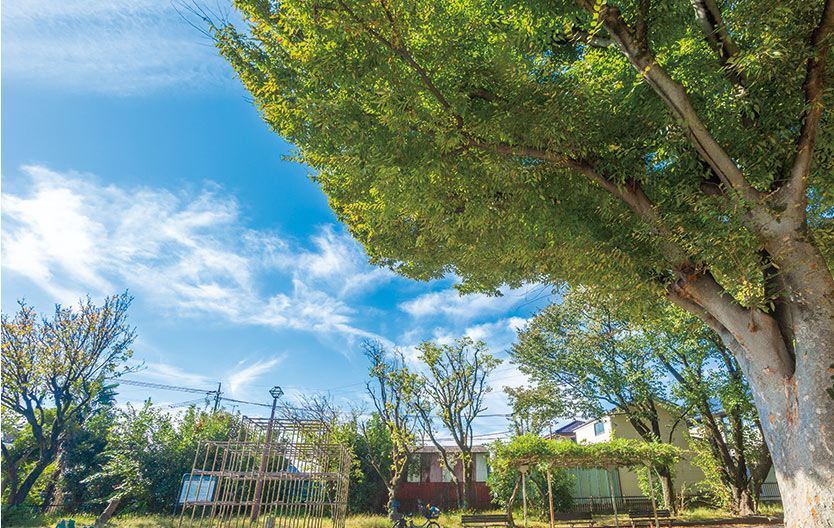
[530, 450]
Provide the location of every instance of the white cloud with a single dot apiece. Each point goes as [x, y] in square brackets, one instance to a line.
[450, 304]
[501, 332]
[167, 373]
[72, 236]
[108, 46]
[243, 376]
[339, 260]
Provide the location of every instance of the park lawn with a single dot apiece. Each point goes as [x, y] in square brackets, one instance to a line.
[447, 520]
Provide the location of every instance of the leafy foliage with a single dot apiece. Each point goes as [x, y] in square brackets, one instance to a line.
[63, 364]
[479, 163]
[503, 483]
[531, 450]
[148, 452]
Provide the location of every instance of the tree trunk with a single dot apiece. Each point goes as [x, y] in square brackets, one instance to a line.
[668, 488]
[466, 464]
[787, 358]
[743, 503]
[511, 503]
[108, 512]
[393, 489]
[797, 418]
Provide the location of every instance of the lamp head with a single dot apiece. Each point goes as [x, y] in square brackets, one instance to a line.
[276, 392]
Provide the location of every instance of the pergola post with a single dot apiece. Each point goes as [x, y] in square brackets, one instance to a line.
[550, 498]
[613, 501]
[524, 492]
[651, 494]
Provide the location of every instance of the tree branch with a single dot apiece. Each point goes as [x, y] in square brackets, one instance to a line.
[793, 194]
[676, 99]
[753, 330]
[718, 37]
[403, 52]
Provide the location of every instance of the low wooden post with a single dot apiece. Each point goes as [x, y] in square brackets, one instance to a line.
[524, 492]
[550, 497]
[613, 501]
[651, 494]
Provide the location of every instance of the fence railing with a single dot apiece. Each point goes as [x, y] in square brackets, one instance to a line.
[604, 504]
[770, 492]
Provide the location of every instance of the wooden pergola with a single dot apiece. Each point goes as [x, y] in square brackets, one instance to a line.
[524, 452]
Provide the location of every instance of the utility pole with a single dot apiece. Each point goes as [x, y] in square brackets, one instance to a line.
[276, 393]
[217, 397]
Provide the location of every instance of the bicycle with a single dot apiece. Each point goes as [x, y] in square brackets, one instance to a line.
[407, 520]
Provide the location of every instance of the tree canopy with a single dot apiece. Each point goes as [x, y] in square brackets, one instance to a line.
[514, 141]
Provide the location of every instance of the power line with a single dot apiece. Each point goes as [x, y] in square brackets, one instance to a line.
[162, 386]
[180, 404]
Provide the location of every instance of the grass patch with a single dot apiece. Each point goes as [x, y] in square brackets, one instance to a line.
[447, 519]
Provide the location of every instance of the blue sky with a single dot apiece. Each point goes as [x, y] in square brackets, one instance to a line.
[132, 159]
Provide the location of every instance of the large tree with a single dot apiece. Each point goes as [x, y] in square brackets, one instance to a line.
[675, 149]
[453, 390]
[55, 371]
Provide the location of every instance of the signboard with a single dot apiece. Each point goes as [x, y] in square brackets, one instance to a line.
[196, 489]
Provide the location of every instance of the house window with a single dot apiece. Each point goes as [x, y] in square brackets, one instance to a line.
[446, 476]
[599, 428]
[481, 467]
[414, 468]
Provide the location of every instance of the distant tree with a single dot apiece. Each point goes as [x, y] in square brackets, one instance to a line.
[54, 373]
[389, 433]
[534, 408]
[709, 381]
[453, 391]
[677, 150]
[583, 355]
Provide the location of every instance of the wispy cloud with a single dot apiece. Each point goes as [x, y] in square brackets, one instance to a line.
[107, 46]
[244, 375]
[167, 373]
[450, 304]
[193, 254]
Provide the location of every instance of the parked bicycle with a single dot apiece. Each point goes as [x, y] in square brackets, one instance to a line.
[406, 520]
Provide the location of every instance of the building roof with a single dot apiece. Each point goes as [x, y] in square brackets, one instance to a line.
[567, 430]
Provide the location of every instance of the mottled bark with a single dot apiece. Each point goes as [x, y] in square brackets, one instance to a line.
[108, 512]
[511, 503]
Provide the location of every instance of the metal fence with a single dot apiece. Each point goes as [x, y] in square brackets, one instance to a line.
[770, 492]
[604, 505]
[295, 476]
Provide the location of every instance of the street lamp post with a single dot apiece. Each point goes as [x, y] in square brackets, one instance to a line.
[276, 393]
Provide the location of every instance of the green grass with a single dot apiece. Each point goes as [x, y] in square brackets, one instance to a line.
[447, 520]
